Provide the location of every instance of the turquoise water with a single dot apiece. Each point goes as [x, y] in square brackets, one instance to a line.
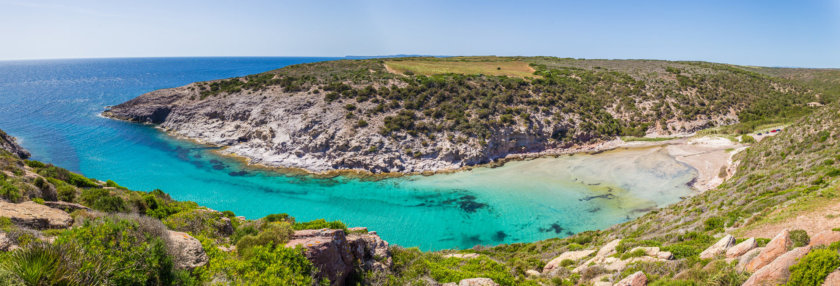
[52, 106]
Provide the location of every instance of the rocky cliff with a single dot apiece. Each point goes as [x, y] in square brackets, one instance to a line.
[9, 144]
[363, 115]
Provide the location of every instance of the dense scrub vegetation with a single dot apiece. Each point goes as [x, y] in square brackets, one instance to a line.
[123, 241]
[577, 100]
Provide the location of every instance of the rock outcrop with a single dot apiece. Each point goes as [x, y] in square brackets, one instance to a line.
[825, 238]
[33, 215]
[65, 206]
[719, 247]
[635, 279]
[570, 255]
[187, 250]
[775, 248]
[6, 244]
[777, 272]
[335, 254]
[742, 248]
[833, 279]
[9, 144]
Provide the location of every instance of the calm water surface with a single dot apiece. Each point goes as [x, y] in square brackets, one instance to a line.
[52, 106]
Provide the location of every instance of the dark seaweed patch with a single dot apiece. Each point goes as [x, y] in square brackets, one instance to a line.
[555, 227]
[471, 240]
[239, 173]
[594, 210]
[499, 236]
[604, 196]
[467, 203]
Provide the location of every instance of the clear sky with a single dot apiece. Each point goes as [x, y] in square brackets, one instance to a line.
[770, 33]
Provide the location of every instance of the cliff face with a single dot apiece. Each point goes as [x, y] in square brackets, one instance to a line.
[361, 115]
[9, 144]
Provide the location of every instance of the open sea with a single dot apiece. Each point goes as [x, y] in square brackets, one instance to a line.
[53, 106]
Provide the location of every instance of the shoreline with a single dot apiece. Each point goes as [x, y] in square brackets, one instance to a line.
[706, 154]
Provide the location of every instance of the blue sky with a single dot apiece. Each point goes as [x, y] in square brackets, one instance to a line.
[768, 33]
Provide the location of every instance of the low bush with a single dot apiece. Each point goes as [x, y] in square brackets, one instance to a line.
[814, 267]
[799, 237]
[273, 234]
[319, 224]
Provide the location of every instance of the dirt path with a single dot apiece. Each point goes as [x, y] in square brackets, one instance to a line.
[813, 221]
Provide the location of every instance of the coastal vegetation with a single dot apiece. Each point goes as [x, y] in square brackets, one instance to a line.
[124, 237]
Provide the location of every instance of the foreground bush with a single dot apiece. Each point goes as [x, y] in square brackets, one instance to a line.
[814, 267]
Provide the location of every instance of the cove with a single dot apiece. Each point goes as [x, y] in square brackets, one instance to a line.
[53, 107]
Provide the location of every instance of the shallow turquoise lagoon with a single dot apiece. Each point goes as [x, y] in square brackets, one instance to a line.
[53, 107]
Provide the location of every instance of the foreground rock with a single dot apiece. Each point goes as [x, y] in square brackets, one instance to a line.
[825, 238]
[569, 255]
[832, 279]
[777, 272]
[774, 249]
[33, 215]
[335, 254]
[636, 279]
[371, 251]
[9, 144]
[188, 253]
[741, 248]
[718, 248]
[65, 206]
[6, 244]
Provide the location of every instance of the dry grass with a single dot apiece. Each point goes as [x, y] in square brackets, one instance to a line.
[432, 67]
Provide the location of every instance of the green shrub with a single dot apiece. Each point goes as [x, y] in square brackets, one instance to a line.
[113, 184]
[635, 253]
[319, 224]
[799, 237]
[66, 193]
[9, 191]
[159, 205]
[39, 264]
[199, 221]
[713, 224]
[814, 267]
[278, 217]
[119, 250]
[101, 199]
[273, 234]
[7, 278]
[38, 201]
[35, 164]
[747, 139]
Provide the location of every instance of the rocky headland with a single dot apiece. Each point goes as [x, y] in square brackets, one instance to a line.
[362, 116]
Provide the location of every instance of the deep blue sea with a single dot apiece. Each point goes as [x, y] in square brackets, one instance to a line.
[53, 106]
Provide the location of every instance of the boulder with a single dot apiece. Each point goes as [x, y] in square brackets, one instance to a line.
[357, 229]
[571, 255]
[775, 248]
[833, 279]
[371, 251]
[532, 273]
[328, 250]
[605, 251]
[65, 206]
[188, 253]
[33, 215]
[635, 279]
[777, 272]
[608, 249]
[747, 257]
[6, 243]
[719, 247]
[654, 252]
[825, 238]
[477, 282]
[9, 144]
[740, 249]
